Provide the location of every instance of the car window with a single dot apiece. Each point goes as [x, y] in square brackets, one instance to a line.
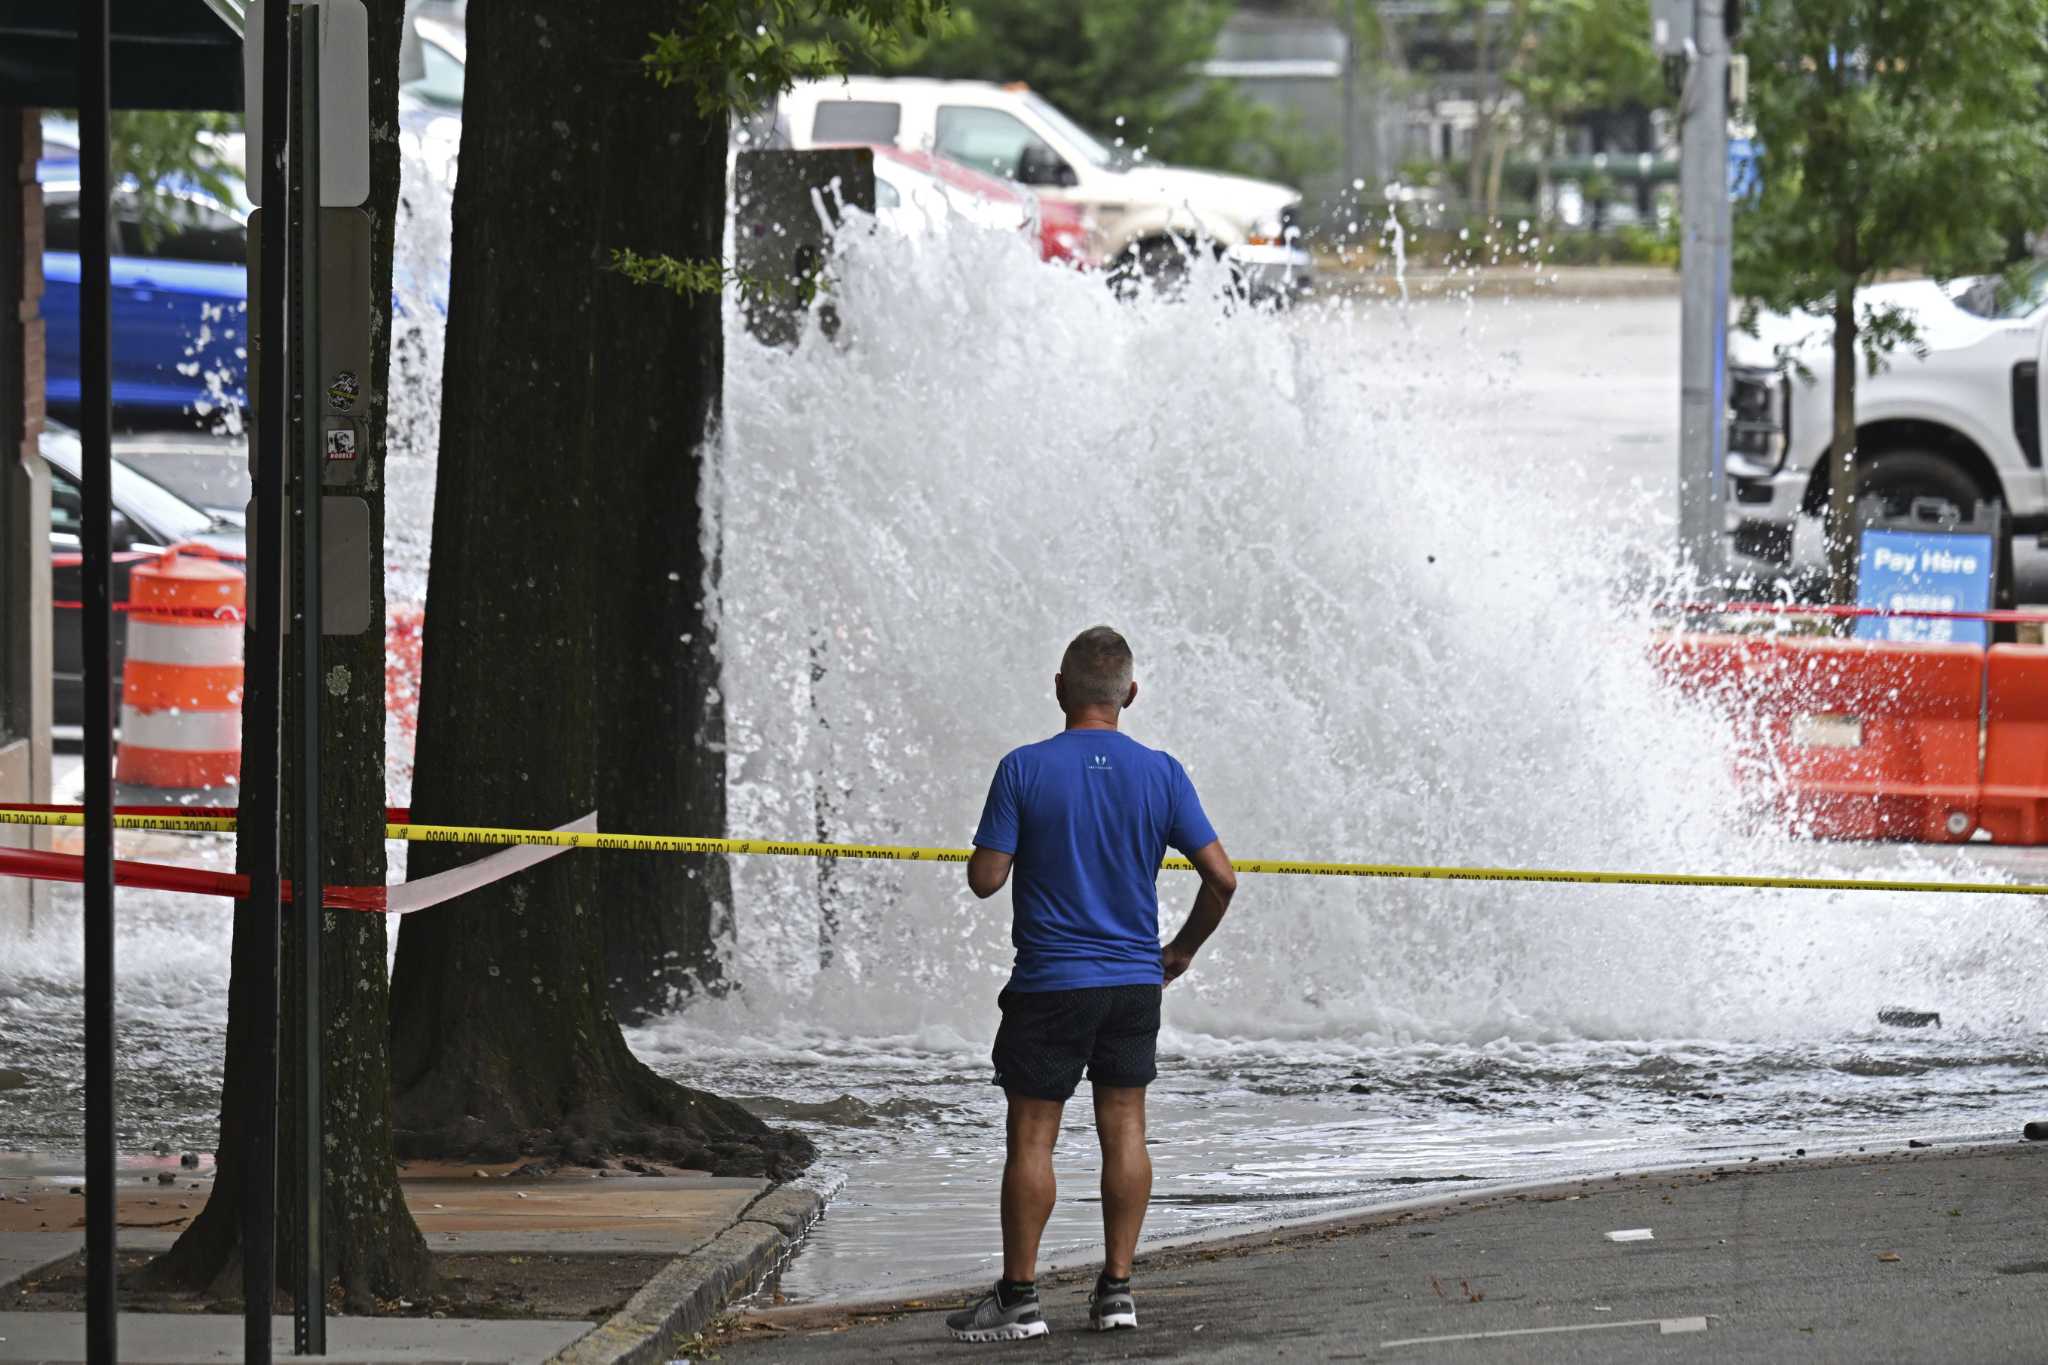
[158, 515]
[442, 81]
[2016, 294]
[188, 232]
[856, 121]
[886, 196]
[60, 220]
[67, 504]
[1078, 137]
[192, 231]
[986, 139]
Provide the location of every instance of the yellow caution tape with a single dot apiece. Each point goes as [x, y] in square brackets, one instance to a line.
[176, 824]
[787, 848]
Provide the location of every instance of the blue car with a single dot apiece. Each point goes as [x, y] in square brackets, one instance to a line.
[181, 298]
[180, 301]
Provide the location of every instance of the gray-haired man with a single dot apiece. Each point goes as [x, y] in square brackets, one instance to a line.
[1084, 819]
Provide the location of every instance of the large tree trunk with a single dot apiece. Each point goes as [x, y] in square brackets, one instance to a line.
[1842, 530]
[658, 365]
[372, 1246]
[503, 1037]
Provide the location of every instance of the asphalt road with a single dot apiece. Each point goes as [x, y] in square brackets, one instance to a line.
[1576, 398]
[1908, 1256]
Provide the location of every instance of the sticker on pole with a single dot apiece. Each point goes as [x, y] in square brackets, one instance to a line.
[343, 390]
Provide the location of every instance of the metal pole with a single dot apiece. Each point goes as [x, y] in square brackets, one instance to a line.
[1704, 268]
[1350, 100]
[309, 1312]
[102, 1302]
[260, 916]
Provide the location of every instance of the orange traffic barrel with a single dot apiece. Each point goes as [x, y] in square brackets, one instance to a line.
[181, 688]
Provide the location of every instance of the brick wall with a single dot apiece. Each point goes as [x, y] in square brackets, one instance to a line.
[24, 503]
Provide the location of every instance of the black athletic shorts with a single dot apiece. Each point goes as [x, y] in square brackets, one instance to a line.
[1047, 1037]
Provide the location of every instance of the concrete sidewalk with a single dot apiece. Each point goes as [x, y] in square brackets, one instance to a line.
[720, 1236]
[569, 1211]
[180, 1338]
[1909, 1256]
[1378, 280]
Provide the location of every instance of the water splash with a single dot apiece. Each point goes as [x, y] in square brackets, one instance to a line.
[1368, 634]
[1367, 639]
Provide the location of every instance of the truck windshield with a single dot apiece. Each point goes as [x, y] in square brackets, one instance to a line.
[2015, 294]
[1079, 138]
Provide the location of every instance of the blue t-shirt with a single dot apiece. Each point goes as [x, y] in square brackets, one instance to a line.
[1088, 815]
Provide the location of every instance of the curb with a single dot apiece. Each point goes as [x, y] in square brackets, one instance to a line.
[1560, 282]
[683, 1298]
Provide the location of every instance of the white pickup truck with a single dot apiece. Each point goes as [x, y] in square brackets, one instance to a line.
[1146, 217]
[1957, 418]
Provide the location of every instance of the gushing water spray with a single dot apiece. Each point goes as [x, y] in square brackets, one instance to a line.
[1364, 638]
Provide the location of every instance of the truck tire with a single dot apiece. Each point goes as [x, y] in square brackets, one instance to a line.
[1900, 476]
[1160, 263]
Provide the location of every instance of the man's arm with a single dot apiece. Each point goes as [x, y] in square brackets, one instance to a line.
[987, 870]
[1219, 883]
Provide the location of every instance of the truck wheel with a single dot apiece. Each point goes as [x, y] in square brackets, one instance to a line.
[1900, 476]
[1160, 262]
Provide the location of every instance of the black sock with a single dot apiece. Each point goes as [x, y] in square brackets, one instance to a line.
[1011, 1292]
[1105, 1285]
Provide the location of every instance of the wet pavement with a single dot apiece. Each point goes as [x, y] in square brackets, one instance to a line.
[1904, 1255]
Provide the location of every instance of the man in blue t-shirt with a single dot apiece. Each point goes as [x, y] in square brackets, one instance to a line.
[1084, 819]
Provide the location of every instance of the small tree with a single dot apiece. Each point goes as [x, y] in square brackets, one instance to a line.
[1894, 135]
[1584, 59]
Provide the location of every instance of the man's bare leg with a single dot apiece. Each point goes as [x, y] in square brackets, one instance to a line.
[1028, 1186]
[1126, 1174]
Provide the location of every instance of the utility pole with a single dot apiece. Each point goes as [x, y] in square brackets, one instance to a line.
[1695, 34]
[1350, 100]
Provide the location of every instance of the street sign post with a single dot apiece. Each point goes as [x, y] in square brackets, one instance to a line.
[1695, 33]
[344, 97]
[311, 305]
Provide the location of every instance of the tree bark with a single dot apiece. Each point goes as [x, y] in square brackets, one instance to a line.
[1484, 107]
[658, 365]
[1842, 530]
[504, 1040]
[371, 1245]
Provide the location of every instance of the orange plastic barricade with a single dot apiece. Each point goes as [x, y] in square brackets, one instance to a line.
[1851, 739]
[2016, 745]
[181, 688]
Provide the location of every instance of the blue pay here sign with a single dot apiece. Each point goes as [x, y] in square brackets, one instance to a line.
[1924, 571]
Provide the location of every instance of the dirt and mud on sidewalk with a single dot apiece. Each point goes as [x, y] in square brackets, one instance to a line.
[1909, 1255]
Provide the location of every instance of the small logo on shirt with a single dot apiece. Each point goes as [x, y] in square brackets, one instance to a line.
[1098, 763]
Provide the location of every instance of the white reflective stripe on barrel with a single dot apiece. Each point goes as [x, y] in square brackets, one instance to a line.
[195, 732]
[154, 642]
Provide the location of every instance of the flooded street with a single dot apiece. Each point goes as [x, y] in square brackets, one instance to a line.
[1387, 574]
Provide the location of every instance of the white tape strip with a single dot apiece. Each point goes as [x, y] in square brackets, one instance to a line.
[200, 645]
[1665, 1327]
[407, 897]
[185, 732]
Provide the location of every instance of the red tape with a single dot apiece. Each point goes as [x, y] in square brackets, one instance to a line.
[422, 893]
[397, 815]
[192, 881]
[73, 559]
[204, 613]
[2000, 617]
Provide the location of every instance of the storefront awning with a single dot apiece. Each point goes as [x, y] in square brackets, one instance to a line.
[167, 54]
